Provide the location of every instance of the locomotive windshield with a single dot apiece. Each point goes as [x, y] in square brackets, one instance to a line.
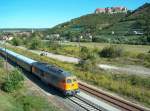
[71, 80]
[68, 80]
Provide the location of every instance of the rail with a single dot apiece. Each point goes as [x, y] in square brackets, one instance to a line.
[122, 104]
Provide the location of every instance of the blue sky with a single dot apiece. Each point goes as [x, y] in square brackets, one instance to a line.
[48, 13]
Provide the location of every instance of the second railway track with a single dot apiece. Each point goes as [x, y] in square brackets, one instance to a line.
[122, 104]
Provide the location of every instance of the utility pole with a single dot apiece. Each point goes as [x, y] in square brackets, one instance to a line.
[80, 37]
[6, 54]
[3, 44]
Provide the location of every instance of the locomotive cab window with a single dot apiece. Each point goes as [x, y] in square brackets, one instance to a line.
[68, 80]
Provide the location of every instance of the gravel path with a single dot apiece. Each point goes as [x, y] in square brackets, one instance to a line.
[129, 69]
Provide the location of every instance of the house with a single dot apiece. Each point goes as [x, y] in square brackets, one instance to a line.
[100, 10]
[119, 9]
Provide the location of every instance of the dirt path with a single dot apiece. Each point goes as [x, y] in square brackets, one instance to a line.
[128, 69]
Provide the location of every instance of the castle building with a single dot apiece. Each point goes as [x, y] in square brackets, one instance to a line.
[111, 10]
[100, 10]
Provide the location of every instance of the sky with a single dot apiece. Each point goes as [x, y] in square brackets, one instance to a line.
[48, 13]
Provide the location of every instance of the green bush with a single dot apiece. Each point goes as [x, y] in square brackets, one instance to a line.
[88, 59]
[144, 58]
[111, 52]
[16, 41]
[35, 43]
[13, 81]
[84, 52]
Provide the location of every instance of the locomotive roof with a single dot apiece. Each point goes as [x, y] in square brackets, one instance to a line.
[21, 57]
[51, 69]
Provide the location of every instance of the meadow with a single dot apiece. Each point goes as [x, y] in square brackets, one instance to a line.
[128, 48]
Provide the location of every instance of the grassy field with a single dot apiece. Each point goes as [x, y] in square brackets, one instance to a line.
[126, 85]
[72, 48]
[131, 53]
[128, 48]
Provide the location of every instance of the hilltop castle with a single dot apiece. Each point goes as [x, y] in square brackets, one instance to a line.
[111, 10]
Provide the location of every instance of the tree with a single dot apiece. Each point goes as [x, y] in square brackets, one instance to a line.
[88, 59]
[111, 52]
[35, 43]
[147, 28]
[16, 41]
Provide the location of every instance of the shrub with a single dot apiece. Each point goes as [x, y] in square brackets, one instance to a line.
[111, 52]
[88, 59]
[13, 81]
[88, 65]
[141, 56]
[35, 43]
[144, 57]
[84, 53]
[16, 41]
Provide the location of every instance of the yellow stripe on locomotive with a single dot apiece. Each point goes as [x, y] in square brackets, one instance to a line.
[71, 83]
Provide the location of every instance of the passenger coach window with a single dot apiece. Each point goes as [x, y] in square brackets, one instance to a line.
[68, 80]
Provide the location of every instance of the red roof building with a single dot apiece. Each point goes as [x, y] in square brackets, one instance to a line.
[111, 10]
[100, 10]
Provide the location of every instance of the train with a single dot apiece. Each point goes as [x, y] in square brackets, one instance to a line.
[50, 74]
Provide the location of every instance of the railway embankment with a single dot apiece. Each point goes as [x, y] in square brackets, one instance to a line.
[20, 94]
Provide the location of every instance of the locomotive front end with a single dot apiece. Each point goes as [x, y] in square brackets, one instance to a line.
[71, 86]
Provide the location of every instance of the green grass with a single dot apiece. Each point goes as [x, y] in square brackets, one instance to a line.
[24, 102]
[8, 103]
[129, 48]
[118, 83]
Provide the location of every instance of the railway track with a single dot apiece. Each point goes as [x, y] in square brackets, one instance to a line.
[122, 104]
[84, 104]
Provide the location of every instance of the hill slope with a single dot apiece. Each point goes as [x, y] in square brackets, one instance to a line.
[134, 28]
[134, 21]
[131, 28]
[90, 23]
